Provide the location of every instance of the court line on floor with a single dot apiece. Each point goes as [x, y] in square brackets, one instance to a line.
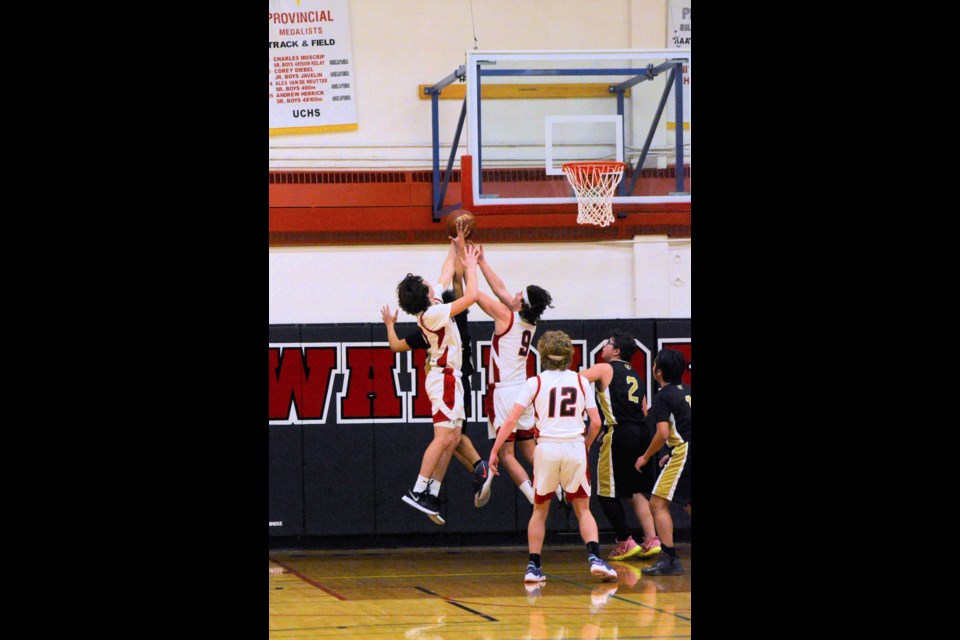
[457, 604]
[309, 581]
[621, 598]
[423, 575]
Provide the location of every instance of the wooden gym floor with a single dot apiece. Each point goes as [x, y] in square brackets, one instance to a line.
[470, 593]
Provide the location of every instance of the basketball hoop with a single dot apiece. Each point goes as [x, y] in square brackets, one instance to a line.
[594, 183]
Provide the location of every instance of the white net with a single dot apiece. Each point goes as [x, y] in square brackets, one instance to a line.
[594, 183]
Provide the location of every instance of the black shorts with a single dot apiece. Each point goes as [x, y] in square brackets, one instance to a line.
[619, 455]
[465, 381]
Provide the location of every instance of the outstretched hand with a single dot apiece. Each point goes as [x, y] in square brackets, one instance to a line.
[460, 238]
[388, 318]
[469, 257]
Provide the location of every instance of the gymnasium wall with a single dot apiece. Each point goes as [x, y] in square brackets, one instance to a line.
[642, 277]
[349, 422]
[350, 214]
[400, 45]
[373, 186]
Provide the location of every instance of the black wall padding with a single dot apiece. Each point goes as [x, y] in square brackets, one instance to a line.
[344, 446]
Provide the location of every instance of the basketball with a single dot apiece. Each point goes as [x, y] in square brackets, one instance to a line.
[455, 216]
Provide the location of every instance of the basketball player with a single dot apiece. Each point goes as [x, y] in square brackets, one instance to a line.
[670, 412]
[625, 436]
[515, 318]
[465, 452]
[417, 297]
[559, 397]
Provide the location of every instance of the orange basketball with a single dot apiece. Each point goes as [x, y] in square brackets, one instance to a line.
[455, 216]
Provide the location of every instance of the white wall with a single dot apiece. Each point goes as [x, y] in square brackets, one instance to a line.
[399, 45]
[647, 277]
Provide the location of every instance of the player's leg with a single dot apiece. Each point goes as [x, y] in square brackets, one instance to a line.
[629, 442]
[651, 542]
[446, 436]
[466, 453]
[526, 443]
[574, 471]
[443, 443]
[638, 484]
[588, 524]
[611, 482]
[536, 531]
[545, 466]
[508, 460]
[419, 496]
[675, 476]
[591, 537]
[463, 459]
[664, 522]
[501, 404]
[537, 527]
[625, 546]
[450, 439]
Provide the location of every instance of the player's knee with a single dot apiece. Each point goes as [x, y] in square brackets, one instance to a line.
[659, 505]
[450, 438]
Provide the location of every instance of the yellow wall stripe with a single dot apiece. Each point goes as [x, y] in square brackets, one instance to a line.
[329, 128]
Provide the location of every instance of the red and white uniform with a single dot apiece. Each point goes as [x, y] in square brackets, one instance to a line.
[444, 357]
[508, 371]
[559, 400]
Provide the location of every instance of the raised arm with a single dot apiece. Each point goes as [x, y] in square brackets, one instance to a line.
[457, 247]
[496, 283]
[457, 279]
[470, 278]
[446, 271]
[390, 319]
[495, 309]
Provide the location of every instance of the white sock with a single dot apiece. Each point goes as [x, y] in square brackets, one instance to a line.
[434, 487]
[421, 485]
[527, 489]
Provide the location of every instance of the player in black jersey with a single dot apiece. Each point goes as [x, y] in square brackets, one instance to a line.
[625, 436]
[670, 412]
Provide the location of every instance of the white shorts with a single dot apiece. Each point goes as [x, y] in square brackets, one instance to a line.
[504, 397]
[562, 463]
[445, 390]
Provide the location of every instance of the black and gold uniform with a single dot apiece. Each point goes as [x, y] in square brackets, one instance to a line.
[626, 435]
[672, 405]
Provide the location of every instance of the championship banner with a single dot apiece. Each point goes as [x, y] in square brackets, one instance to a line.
[311, 67]
[678, 35]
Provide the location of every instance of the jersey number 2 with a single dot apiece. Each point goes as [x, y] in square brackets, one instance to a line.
[632, 393]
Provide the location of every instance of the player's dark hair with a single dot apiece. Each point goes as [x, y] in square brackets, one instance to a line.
[540, 299]
[624, 342]
[672, 364]
[412, 295]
